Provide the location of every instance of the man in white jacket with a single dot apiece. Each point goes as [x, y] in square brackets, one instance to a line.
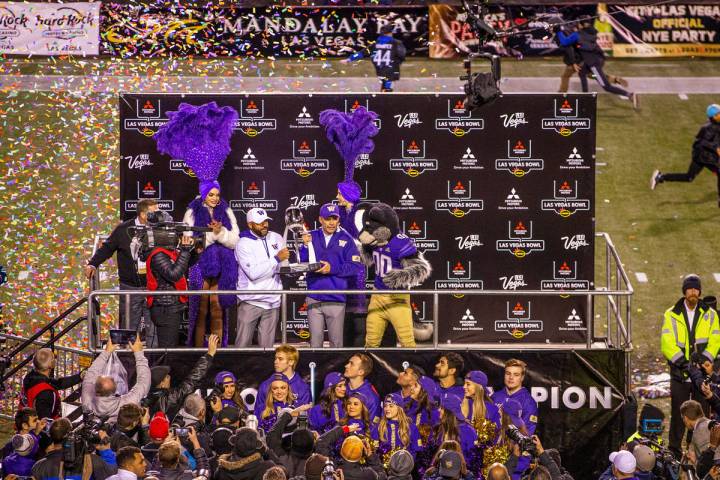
[258, 253]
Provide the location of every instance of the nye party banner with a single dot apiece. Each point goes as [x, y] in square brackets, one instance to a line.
[49, 28]
[183, 29]
[670, 30]
[500, 198]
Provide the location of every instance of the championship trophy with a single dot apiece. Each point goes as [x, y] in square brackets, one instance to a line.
[295, 224]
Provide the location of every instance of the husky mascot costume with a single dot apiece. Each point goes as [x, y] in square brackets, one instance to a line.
[398, 264]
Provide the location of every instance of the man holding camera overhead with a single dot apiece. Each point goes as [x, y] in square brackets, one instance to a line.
[690, 326]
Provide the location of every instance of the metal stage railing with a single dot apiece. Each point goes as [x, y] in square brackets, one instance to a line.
[615, 333]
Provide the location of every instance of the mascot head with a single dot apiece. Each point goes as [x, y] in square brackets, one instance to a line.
[377, 223]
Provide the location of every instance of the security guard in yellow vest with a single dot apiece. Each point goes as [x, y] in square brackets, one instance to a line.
[689, 326]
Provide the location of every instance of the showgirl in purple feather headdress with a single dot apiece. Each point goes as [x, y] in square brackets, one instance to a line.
[201, 137]
[351, 134]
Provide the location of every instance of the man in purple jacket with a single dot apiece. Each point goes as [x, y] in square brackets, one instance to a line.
[513, 389]
[336, 250]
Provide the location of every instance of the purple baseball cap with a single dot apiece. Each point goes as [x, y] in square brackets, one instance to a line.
[477, 376]
[332, 379]
[329, 210]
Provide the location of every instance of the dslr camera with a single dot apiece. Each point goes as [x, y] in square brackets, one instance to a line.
[526, 444]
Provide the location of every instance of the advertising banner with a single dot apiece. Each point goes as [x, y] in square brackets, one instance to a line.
[502, 198]
[580, 394]
[49, 28]
[663, 30]
[528, 29]
[130, 30]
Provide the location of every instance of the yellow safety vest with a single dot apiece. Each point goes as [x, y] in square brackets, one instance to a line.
[675, 337]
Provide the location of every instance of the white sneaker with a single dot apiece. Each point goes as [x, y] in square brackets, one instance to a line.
[655, 179]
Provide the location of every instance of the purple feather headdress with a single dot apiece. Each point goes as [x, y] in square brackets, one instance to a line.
[352, 135]
[199, 135]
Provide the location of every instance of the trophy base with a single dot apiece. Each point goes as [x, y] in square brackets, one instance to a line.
[299, 268]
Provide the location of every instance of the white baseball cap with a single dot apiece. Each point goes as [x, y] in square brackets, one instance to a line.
[624, 461]
[257, 215]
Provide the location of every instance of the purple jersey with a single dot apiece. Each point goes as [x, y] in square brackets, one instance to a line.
[389, 257]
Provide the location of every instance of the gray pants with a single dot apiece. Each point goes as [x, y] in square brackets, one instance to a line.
[247, 322]
[321, 314]
[138, 311]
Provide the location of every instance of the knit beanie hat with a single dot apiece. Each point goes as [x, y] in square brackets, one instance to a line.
[401, 463]
[159, 427]
[23, 444]
[691, 281]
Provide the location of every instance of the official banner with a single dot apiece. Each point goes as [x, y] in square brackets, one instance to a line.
[130, 30]
[49, 28]
[451, 37]
[580, 394]
[669, 30]
[502, 198]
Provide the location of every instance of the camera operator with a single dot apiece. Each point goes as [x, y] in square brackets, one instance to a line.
[132, 427]
[166, 270]
[41, 390]
[98, 391]
[246, 461]
[56, 464]
[193, 415]
[171, 468]
[546, 460]
[705, 381]
[302, 441]
[167, 399]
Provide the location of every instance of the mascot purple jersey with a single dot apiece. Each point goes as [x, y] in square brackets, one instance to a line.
[389, 257]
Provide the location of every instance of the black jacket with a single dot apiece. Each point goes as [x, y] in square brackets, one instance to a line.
[134, 438]
[48, 467]
[590, 51]
[232, 467]
[372, 470]
[293, 463]
[387, 56]
[170, 400]
[45, 403]
[119, 241]
[181, 472]
[707, 141]
[167, 273]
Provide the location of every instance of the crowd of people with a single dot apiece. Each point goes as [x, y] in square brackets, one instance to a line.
[451, 425]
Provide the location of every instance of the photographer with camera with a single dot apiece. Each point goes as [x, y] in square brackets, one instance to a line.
[302, 440]
[166, 269]
[163, 397]
[192, 415]
[132, 427]
[171, 467]
[98, 391]
[64, 461]
[131, 274]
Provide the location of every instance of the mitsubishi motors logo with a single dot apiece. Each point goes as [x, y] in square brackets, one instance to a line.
[253, 195]
[520, 242]
[574, 323]
[252, 121]
[352, 105]
[418, 232]
[468, 161]
[459, 277]
[459, 121]
[565, 201]
[249, 161]
[304, 119]
[148, 117]
[565, 278]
